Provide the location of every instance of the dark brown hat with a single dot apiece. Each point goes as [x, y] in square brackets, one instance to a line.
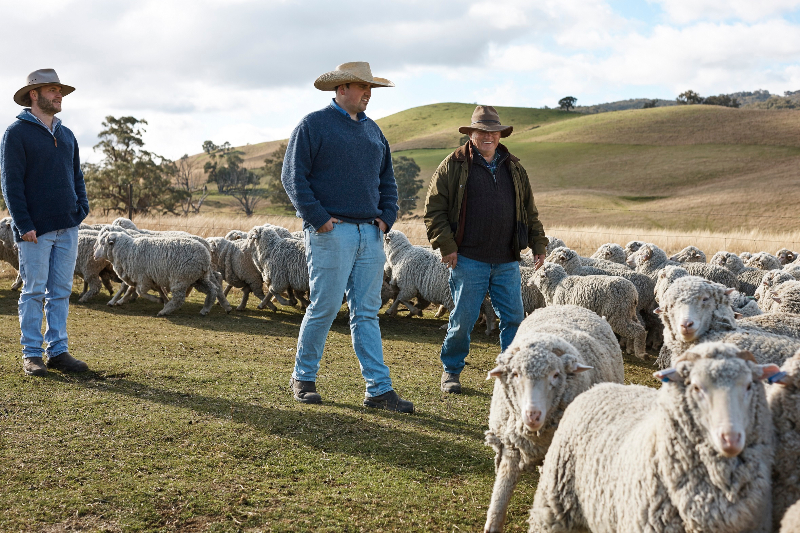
[485, 118]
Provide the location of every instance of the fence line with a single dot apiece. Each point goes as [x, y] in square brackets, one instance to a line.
[648, 211]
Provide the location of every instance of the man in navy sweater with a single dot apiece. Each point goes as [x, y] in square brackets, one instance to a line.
[44, 190]
[338, 173]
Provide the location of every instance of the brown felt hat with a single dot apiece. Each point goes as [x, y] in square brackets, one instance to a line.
[485, 118]
[40, 78]
[353, 72]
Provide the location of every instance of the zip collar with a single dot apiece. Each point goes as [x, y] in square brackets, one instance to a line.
[27, 116]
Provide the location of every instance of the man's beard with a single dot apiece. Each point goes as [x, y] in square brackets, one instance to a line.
[46, 105]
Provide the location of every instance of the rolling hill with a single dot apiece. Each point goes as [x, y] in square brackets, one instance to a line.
[680, 167]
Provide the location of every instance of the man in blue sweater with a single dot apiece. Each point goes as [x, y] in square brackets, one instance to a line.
[338, 173]
[44, 190]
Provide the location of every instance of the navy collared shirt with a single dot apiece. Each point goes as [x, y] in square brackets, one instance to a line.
[361, 116]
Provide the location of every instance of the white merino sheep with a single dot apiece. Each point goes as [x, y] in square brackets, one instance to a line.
[532, 297]
[784, 402]
[234, 261]
[764, 261]
[649, 259]
[610, 296]
[633, 247]
[693, 456]
[416, 271]
[558, 353]
[749, 278]
[95, 273]
[282, 263]
[554, 242]
[235, 235]
[9, 251]
[162, 264]
[665, 277]
[610, 251]
[786, 256]
[690, 254]
[770, 283]
[696, 310]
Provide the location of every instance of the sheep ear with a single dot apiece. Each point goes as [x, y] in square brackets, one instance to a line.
[728, 291]
[648, 254]
[737, 315]
[747, 355]
[496, 372]
[772, 373]
[581, 368]
[775, 298]
[658, 310]
[668, 374]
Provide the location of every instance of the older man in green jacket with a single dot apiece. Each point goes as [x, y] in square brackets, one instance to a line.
[480, 214]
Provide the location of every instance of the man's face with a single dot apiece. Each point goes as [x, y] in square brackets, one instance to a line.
[49, 101]
[486, 141]
[355, 97]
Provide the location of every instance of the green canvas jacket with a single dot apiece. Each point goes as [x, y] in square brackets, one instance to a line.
[444, 205]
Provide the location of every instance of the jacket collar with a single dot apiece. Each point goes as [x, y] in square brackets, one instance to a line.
[27, 116]
[461, 153]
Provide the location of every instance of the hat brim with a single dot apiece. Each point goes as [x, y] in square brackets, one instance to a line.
[65, 90]
[505, 131]
[330, 80]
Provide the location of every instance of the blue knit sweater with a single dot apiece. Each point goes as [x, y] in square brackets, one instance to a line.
[341, 168]
[41, 177]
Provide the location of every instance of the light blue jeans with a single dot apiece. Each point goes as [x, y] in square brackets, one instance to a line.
[469, 282]
[347, 260]
[46, 269]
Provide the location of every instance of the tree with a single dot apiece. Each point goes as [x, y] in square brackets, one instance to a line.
[128, 170]
[406, 171]
[649, 104]
[227, 170]
[723, 100]
[567, 103]
[689, 98]
[189, 180]
[273, 167]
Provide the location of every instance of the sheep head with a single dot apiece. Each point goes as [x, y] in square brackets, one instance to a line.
[694, 305]
[720, 385]
[104, 245]
[534, 372]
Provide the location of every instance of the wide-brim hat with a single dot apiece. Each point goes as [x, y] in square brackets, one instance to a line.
[40, 78]
[485, 118]
[353, 72]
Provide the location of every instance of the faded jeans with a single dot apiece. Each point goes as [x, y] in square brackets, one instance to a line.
[346, 260]
[469, 282]
[46, 269]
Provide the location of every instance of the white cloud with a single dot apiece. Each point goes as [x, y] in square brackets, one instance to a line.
[685, 11]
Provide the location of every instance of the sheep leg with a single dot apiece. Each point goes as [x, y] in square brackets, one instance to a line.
[635, 334]
[281, 300]
[392, 311]
[440, 312]
[505, 480]
[91, 287]
[227, 289]
[178, 297]
[128, 296]
[106, 279]
[114, 299]
[301, 297]
[245, 296]
[490, 315]
[214, 282]
[17, 283]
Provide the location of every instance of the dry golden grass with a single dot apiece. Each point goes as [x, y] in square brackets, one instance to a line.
[585, 240]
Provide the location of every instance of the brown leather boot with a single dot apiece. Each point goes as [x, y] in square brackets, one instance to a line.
[33, 366]
[305, 391]
[451, 383]
[66, 363]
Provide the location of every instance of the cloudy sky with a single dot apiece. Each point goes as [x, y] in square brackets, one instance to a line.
[242, 71]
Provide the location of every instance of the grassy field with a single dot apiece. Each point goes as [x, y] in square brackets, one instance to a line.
[186, 423]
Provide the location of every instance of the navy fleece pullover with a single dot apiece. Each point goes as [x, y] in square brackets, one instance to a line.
[41, 177]
[341, 168]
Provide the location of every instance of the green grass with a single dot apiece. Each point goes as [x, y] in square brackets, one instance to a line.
[186, 423]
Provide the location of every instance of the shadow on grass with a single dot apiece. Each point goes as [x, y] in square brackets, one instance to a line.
[331, 428]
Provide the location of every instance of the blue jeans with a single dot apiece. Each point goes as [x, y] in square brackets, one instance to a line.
[46, 269]
[469, 282]
[347, 260]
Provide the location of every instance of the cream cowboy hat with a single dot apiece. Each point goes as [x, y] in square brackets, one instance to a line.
[485, 118]
[40, 78]
[353, 72]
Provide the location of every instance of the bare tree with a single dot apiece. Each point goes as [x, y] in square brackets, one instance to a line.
[188, 178]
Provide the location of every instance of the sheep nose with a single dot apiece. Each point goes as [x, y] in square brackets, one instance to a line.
[532, 418]
[732, 443]
[687, 324]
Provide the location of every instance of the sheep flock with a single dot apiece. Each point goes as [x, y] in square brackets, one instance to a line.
[714, 449]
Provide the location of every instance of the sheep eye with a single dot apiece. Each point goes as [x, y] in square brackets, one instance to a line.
[514, 375]
[750, 386]
[556, 375]
[706, 298]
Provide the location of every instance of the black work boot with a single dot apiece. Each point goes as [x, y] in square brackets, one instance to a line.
[66, 363]
[33, 366]
[389, 401]
[451, 383]
[305, 391]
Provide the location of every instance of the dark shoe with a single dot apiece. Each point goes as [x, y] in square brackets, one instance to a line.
[389, 401]
[451, 383]
[305, 391]
[34, 366]
[66, 363]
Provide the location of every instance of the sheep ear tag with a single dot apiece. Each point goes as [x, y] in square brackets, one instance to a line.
[666, 375]
[771, 373]
[496, 372]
